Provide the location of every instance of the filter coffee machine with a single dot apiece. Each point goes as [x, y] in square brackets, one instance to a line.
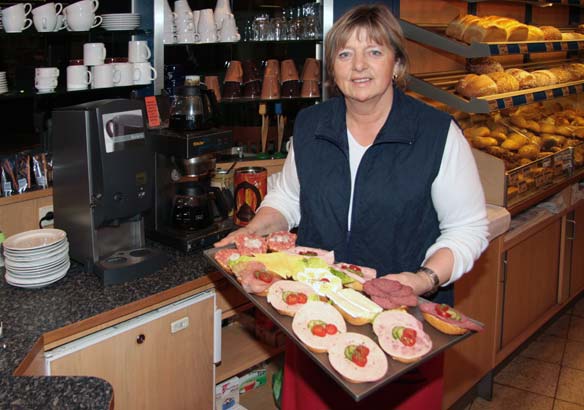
[103, 184]
[189, 213]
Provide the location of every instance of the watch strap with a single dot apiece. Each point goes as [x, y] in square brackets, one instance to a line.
[433, 277]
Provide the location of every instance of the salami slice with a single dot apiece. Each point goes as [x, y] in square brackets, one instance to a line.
[251, 244]
[317, 311]
[327, 256]
[373, 368]
[390, 293]
[385, 285]
[224, 256]
[385, 302]
[278, 296]
[281, 240]
[401, 335]
[456, 318]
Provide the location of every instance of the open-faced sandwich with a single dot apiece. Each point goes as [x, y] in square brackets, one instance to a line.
[254, 277]
[401, 335]
[281, 240]
[327, 256]
[357, 358]
[249, 244]
[357, 275]
[355, 307]
[447, 319]
[317, 325]
[225, 257]
[288, 296]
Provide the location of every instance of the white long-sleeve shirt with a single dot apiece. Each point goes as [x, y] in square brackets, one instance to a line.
[457, 195]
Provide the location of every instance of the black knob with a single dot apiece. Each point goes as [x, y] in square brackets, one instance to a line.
[118, 196]
[140, 339]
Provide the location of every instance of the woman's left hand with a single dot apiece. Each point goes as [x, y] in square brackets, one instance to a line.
[418, 283]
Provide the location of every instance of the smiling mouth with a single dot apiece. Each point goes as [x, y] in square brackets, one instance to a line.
[361, 80]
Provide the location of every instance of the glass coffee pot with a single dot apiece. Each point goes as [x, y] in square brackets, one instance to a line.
[194, 108]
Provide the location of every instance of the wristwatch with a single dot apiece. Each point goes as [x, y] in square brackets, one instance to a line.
[433, 277]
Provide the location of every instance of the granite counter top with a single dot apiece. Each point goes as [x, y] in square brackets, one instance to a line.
[29, 313]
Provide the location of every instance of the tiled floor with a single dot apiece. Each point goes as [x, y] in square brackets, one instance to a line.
[548, 374]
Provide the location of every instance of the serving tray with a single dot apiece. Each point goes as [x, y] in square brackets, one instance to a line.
[440, 341]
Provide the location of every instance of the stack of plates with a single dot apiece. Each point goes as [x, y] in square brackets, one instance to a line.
[3, 83]
[36, 258]
[120, 21]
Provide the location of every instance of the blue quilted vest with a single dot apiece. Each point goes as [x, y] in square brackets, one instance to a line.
[393, 219]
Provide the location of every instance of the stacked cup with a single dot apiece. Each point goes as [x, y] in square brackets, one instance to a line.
[206, 27]
[169, 26]
[183, 20]
[14, 18]
[102, 75]
[138, 55]
[80, 16]
[252, 80]
[78, 76]
[46, 79]
[3, 84]
[290, 80]
[45, 17]
[271, 82]
[232, 81]
[310, 78]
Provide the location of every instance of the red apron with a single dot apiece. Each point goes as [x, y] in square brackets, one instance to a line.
[307, 387]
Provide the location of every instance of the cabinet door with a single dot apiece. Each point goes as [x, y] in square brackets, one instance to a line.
[577, 268]
[150, 367]
[531, 282]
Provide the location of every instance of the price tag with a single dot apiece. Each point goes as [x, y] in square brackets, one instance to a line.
[523, 48]
[508, 102]
[565, 90]
[152, 111]
[503, 49]
[564, 46]
[549, 47]
[549, 94]
[529, 98]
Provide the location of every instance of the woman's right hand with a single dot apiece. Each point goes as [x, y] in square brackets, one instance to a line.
[230, 238]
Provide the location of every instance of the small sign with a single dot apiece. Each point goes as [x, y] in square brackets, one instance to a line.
[152, 112]
[523, 49]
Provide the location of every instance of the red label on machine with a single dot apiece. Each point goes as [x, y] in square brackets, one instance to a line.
[152, 112]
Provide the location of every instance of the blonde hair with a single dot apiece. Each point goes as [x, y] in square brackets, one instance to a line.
[379, 25]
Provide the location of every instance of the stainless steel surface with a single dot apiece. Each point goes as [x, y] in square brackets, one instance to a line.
[196, 166]
[158, 42]
[359, 391]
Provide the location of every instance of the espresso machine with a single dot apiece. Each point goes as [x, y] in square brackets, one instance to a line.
[103, 184]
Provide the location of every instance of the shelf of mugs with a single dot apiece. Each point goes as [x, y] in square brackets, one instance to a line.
[62, 91]
[244, 100]
[537, 3]
[248, 43]
[64, 33]
[433, 35]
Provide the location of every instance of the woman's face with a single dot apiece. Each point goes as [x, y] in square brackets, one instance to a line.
[363, 69]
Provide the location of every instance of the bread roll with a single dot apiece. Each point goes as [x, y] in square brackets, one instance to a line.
[483, 65]
[505, 82]
[473, 85]
[525, 79]
[577, 70]
[457, 26]
[535, 34]
[580, 28]
[563, 75]
[572, 36]
[544, 78]
[551, 33]
[484, 31]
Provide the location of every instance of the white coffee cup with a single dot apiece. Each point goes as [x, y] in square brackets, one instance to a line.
[14, 18]
[127, 74]
[138, 51]
[83, 5]
[103, 76]
[93, 53]
[46, 84]
[42, 72]
[229, 30]
[207, 28]
[196, 16]
[45, 17]
[78, 77]
[82, 21]
[61, 23]
[147, 73]
[182, 7]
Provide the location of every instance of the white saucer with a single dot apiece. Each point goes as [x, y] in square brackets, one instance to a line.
[34, 239]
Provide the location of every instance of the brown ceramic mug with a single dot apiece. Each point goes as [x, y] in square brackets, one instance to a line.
[311, 70]
[234, 72]
[272, 69]
[270, 88]
[288, 71]
[250, 71]
[252, 89]
[231, 90]
[310, 89]
[212, 83]
[290, 89]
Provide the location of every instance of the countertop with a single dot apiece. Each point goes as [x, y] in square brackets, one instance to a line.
[29, 313]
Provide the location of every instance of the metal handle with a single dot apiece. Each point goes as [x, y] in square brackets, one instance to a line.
[573, 230]
[140, 339]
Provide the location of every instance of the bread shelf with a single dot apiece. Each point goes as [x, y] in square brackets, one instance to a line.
[433, 35]
[537, 3]
[240, 350]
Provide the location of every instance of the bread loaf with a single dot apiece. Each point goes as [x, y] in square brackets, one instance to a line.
[562, 75]
[551, 33]
[484, 31]
[473, 85]
[457, 26]
[516, 31]
[544, 78]
[505, 82]
[525, 79]
[535, 34]
[579, 29]
[483, 65]
[577, 70]
[572, 36]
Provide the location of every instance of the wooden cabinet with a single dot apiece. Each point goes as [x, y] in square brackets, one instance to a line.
[151, 365]
[577, 247]
[530, 280]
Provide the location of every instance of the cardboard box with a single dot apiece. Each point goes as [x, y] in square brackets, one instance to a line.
[227, 394]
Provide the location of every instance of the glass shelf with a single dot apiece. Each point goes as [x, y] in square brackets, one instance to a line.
[270, 100]
[31, 33]
[247, 43]
[11, 95]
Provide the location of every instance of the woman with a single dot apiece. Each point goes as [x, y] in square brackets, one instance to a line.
[383, 180]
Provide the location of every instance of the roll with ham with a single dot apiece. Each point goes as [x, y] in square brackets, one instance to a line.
[401, 336]
[318, 325]
[359, 274]
[224, 256]
[254, 277]
[447, 319]
[249, 244]
[288, 296]
[327, 256]
[357, 358]
[281, 240]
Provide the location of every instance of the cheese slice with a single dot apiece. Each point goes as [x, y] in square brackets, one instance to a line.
[320, 279]
[355, 303]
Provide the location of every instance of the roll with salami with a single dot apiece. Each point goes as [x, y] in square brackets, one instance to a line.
[281, 240]
[358, 274]
[447, 319]
[288, 296]
[357, 358]
[248, 244]
[225, 256]
[317, 325]
[401, 335]
[327, 256]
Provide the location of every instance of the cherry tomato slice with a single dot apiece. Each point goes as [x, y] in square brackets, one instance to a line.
[302, 298]
[363, 350]
[359, 359]
[325, 280]
[319, 330]
[409, 337]
[331, 329]
[263, 276]
[292, 299]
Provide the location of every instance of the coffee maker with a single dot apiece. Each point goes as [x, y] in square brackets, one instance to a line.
[103, 184]
[189, 213]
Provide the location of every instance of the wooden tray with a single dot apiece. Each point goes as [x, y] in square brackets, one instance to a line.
[440, 341]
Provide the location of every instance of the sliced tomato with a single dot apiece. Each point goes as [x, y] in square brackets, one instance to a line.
[359, 359]
[319, 330]
[292, 299]
[331, 329]
[307, 253]
[409, 336]
[443, 310]
[325, 280]
[302, 298]
[263, 276]
[363, 350]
